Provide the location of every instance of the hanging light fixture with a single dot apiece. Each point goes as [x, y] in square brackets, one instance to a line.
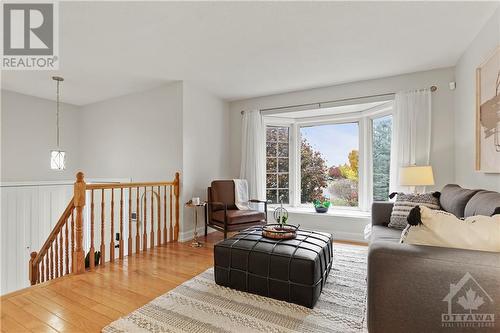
[57, 156]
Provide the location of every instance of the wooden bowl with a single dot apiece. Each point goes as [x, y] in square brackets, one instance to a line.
[275, 231]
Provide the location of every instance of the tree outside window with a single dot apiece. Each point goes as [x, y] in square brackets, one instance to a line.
[382, 133]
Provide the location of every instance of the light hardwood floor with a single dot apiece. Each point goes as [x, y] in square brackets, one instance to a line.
[88, 302]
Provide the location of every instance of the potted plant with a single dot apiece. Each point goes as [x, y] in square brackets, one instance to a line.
[282, 220]
[281, 214]
[321, 205]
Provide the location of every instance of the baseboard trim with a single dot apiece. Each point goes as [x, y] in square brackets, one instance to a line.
[188, 235]
[348, 236]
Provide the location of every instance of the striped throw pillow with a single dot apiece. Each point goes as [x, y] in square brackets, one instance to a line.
[406, 201]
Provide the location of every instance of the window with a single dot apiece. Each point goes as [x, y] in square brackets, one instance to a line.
[341, 153]
[381, 156]
[277, 164]
[329, 163]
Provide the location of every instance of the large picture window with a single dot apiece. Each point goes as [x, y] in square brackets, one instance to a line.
[329, 163]
[277, 164]
[341, 154]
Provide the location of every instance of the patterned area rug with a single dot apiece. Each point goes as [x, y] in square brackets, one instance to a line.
[200, 305]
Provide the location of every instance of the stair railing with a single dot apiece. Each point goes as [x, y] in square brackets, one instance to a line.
[63, 251]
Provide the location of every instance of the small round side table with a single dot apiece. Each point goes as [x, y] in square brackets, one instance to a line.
[196, 242]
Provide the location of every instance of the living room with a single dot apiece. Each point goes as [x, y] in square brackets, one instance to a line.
[318, 110]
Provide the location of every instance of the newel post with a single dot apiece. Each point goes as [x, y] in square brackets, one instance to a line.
[33, 269]
[177, 184]
[79, 202]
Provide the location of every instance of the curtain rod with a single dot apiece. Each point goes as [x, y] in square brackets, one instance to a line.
[432, 89]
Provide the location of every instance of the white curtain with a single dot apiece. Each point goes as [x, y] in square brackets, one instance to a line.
[411, 138]
[253, 166]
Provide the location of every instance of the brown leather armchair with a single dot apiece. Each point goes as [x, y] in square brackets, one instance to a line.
[222, 214]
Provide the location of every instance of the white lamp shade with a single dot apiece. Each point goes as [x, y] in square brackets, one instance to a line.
[57, 160]
[416, 176]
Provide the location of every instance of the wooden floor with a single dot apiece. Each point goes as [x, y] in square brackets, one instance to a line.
[90, 301]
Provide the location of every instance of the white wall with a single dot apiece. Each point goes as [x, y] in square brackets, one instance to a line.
[442, 147]
[205, 147]
[28, 133]
[137, 136]
[150, 135]
[465, 108]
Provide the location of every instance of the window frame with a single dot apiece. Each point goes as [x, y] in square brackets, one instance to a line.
[355, 120]
[365, 125]
[266, 125]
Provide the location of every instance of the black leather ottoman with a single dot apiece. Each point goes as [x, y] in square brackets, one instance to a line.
[291, 270]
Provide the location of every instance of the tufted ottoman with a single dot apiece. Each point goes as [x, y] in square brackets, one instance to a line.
[291, 270]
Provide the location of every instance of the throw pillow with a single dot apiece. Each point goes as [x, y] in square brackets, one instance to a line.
[454, 199]
[482, 203]
[406, 201]
[440, 228]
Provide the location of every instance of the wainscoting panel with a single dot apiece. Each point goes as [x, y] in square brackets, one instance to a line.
[29, 211]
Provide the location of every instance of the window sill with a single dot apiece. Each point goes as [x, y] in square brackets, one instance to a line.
[354, 213]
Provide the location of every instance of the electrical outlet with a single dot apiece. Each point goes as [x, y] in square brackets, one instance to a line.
[133, 216]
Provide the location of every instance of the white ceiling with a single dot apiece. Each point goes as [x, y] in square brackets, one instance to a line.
[247, 49]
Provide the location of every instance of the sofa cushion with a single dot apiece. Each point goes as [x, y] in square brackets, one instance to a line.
[482, 203]
[381, 212]
[406, 201]
[382, 233]
[454, 198]
[239, 216]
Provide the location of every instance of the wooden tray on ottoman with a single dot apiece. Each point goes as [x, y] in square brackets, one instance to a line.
[293, 270]
[276, 231]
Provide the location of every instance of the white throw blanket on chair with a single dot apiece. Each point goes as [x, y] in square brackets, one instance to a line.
[241, 194]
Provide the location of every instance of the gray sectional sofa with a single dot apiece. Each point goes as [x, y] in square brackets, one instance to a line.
[414, 288]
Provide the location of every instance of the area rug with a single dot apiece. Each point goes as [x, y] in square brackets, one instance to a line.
[199, 305]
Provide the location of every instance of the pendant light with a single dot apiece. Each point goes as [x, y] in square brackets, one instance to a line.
[57, 156]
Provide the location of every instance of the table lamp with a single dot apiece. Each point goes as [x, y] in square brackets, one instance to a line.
[416, 176]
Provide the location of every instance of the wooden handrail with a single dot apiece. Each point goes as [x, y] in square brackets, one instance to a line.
[36, 257]
[62, 220]
[48, 263]
[107, 186]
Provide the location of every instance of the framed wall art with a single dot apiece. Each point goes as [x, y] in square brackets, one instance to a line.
[488, 114]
